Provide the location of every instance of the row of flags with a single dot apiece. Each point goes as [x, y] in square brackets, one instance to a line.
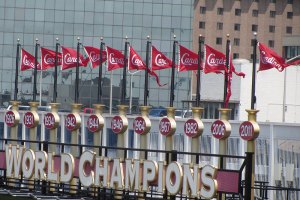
[188, 60]
[213, 62]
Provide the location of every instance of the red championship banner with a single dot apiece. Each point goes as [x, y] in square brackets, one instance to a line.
[270, 59]
[28, 61]
[159, 60]
[115, 59]
[214, 61]
[136, 63]
[70, 58]
[94, 55]
[48, 58]
[188, 60]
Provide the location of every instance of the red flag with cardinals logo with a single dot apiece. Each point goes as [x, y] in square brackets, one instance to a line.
[115, 59]
[94, 55]
[214, 61]
[70, 58]
[188, 60]
[28, 61]
[270, 59]
[159, 60]
[48, 58]
[136, 63]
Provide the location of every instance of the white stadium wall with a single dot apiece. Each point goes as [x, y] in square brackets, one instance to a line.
[270, 93]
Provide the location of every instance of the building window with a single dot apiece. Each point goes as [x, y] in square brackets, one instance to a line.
[219, 26]
[289, 29]
[201, 24]
[202, 10]
[272, 13]
[254, 27]
[290, 1]
[291, 51]
[237, 27]
[220, 11]
[255, 13]
[289, 15]
[271, 29]
[272, 1]
[255, 0]
[236, 55]
[238, 12]
[218, 40]
[271, 43]
[236, 42]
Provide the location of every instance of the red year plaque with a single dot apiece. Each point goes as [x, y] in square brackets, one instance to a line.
[11, 118]
[118, 125]
[249, 130]
[30, 120]
[72, 122]
[139, 125]
[193, 128]
[49, 121]
[93, 124]
[167, 126]
[220, 129]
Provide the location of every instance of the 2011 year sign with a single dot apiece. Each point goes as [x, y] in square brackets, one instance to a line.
[11, 118]
[249, 130]
[220, 129]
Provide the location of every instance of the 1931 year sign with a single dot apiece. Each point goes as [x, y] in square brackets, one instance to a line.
[30, 120]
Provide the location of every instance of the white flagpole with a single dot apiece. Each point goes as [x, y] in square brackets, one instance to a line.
[41, 79]
[110, 97]
[130, 93]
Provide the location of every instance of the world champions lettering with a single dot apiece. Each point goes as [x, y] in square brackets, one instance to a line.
[116, 173]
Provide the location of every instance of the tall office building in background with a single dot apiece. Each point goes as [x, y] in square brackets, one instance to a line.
[275, 21]
[90, 19]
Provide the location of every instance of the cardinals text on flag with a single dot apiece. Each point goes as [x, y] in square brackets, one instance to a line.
[159, 60]
[28, 61]
[270, 59]
[214, 61]
[115, 59]
[94, 55]
[48, 58]
[188, 60]
[136, 63]
[70, 58]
